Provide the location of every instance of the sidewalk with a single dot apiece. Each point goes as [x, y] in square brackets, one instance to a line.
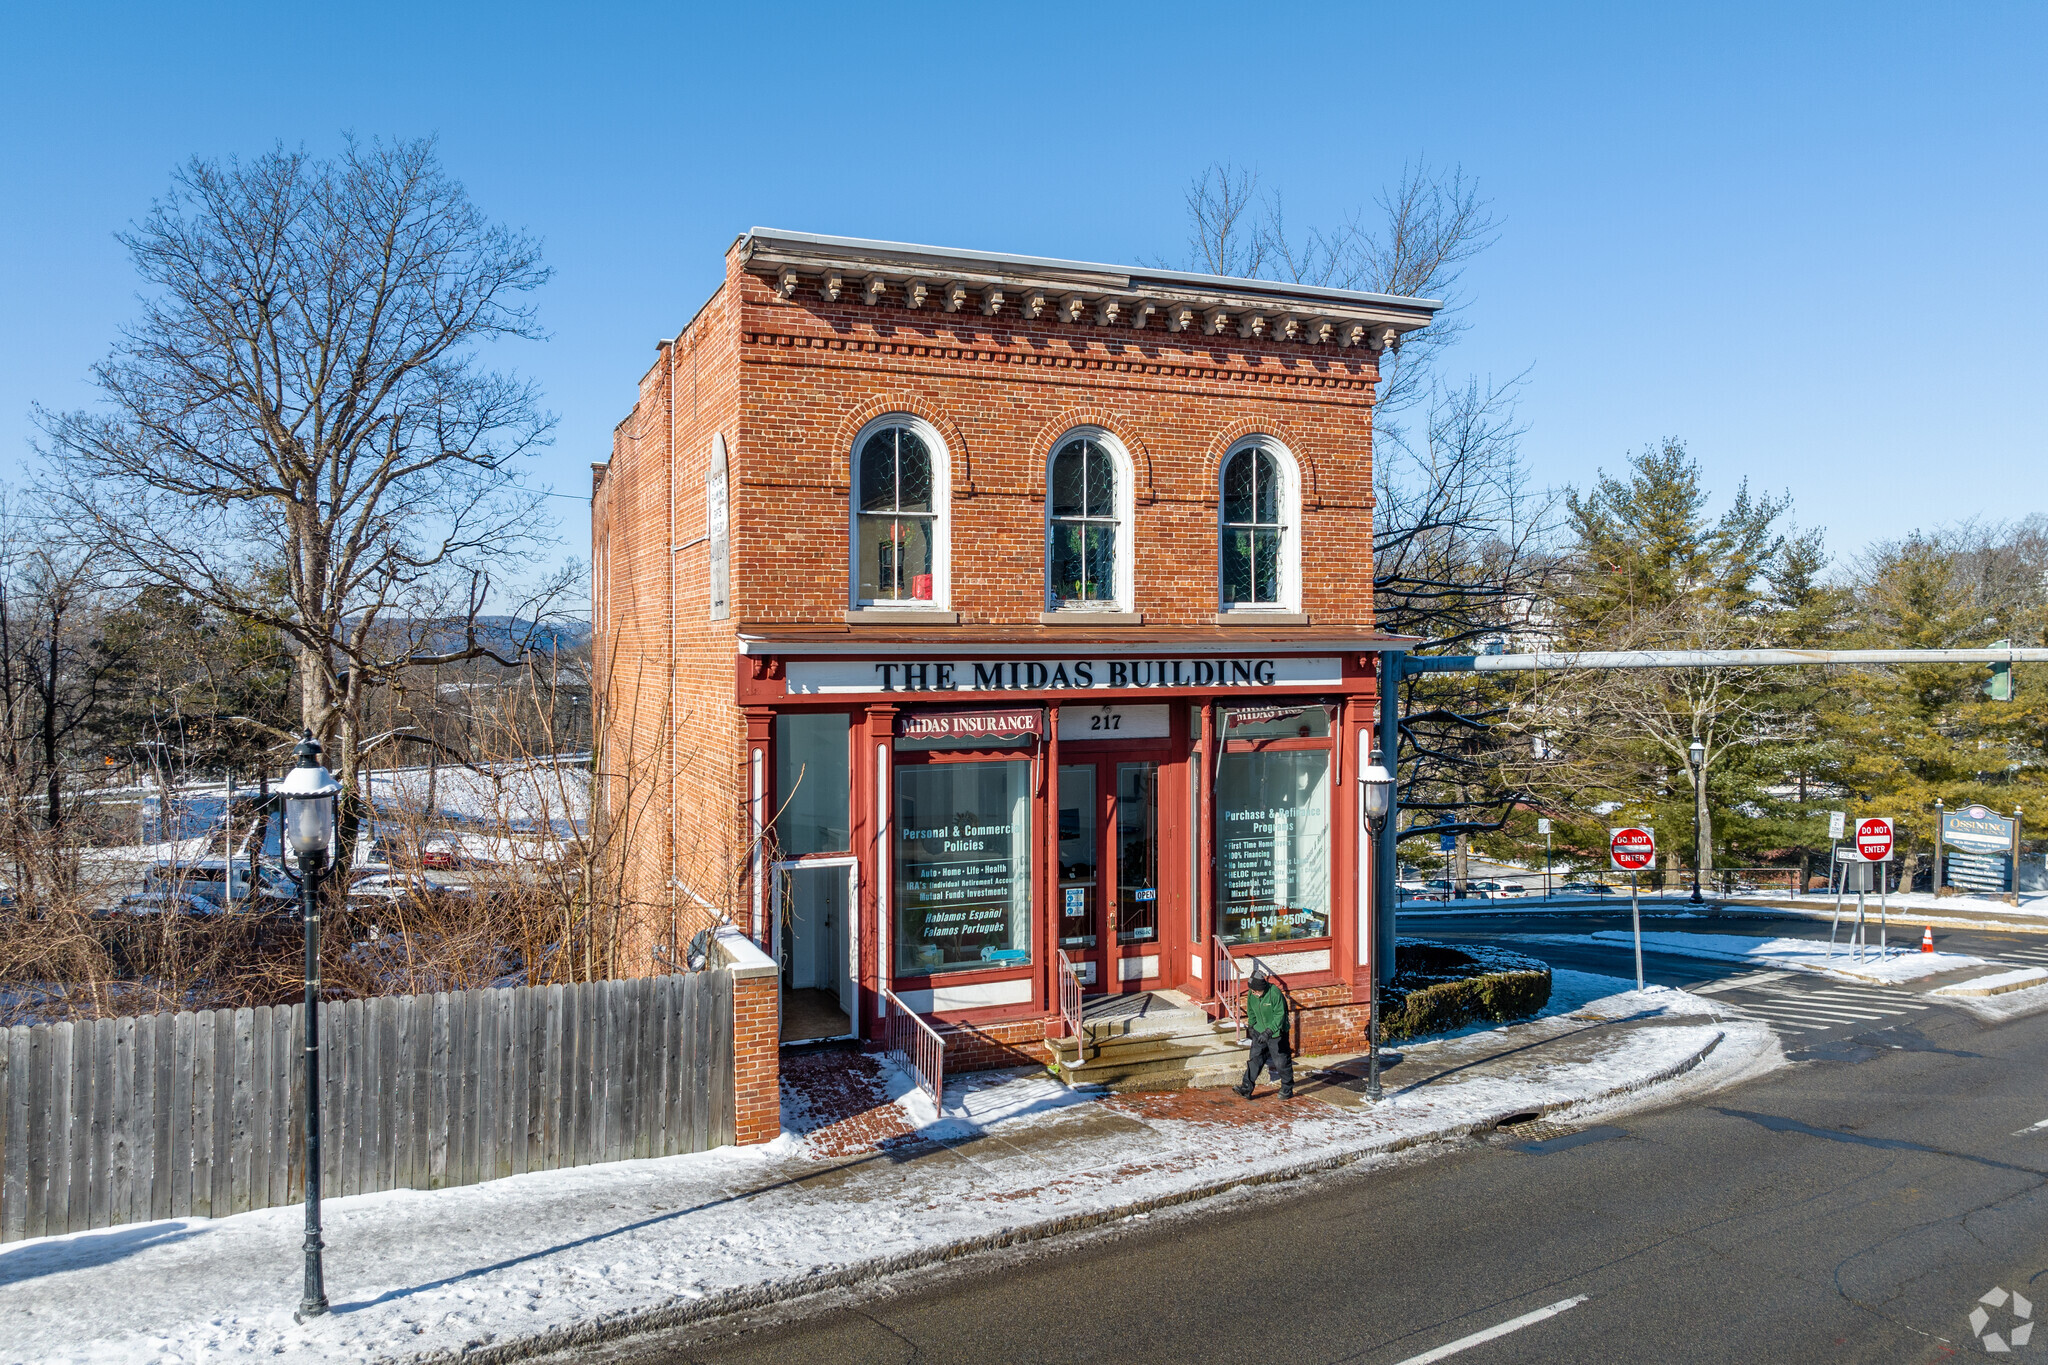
[868, 1180]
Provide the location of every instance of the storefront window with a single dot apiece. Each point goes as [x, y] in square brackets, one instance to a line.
[1273, 845]
[963, 866]
[812, 784]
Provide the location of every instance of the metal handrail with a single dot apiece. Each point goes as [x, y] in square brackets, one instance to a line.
[1228, 984]
[1070, 1003]
[918, 1044]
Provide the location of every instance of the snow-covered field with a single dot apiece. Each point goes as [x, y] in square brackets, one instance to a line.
[557, 1256]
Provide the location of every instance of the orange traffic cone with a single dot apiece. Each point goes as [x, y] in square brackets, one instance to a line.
[1927, 940]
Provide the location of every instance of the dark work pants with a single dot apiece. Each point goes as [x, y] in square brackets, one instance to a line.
[1269, 1053]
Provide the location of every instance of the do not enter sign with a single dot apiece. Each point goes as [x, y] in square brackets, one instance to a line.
[1874, 838]
[1632, 849]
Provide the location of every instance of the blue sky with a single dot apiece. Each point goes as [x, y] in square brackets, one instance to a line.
[1807, 239]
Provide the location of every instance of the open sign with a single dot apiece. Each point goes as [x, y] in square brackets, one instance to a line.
[1632, 848]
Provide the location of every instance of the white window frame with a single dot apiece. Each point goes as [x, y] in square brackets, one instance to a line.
[1126, 496]
[942, 518]
[1289, 596]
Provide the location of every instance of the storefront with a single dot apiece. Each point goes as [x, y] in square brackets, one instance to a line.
[950, 820]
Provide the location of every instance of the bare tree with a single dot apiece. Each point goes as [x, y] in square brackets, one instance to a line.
[1414, 241]
[302, 389]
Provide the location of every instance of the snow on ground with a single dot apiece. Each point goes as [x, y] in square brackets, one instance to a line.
[2033, 904]
[1902, 964]
[412, 1273]
[2021, 978]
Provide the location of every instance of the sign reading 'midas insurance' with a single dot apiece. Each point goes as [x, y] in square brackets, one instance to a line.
[1058, 675]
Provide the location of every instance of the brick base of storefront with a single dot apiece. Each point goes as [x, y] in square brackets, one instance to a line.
[1327, 1020]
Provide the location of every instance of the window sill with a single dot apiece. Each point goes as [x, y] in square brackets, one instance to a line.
[1091, 618]
[1256, 617]
[902, 616]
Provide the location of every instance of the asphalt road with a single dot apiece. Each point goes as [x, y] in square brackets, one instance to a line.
[1853, 1207]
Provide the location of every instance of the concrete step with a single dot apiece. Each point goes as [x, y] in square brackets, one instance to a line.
[1154, 1059]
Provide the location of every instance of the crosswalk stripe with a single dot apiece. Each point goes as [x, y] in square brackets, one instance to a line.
[1864, 1001]
[1832, 1007]
[1823, 1011]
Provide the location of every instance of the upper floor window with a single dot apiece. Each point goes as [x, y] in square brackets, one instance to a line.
[1088, 550]
[1257, 549]
[899, 531]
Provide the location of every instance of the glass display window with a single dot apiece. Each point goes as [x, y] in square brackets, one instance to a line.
[1272, 810]
[963, 862]
[812, 783]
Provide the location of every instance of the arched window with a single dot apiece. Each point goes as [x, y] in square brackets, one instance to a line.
[899, 515]
[1256, 552]
[1087, 504]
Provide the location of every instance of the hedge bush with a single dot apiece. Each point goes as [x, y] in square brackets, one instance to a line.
[1437, 988]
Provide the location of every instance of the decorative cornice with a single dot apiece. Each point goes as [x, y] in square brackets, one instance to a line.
[1078, 294]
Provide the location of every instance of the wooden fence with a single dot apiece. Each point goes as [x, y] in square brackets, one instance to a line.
[199, 1115]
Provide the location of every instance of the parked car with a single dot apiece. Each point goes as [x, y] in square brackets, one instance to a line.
[1587, 889]
[1513, 889]
[140, 903]
[262, 886]
[375, 886]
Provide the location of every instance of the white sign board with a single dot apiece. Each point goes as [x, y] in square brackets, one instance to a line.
[1543, 825]
[1147, 672]
[1115, 722]
[1836, 822]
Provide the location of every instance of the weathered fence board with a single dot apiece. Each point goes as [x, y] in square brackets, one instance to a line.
[104, 1122]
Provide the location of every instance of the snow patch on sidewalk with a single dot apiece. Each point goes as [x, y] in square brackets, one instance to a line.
[1801, 954]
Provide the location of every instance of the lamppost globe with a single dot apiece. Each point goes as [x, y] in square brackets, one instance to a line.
[309, 791]
[1376, 791]
[1697, 753]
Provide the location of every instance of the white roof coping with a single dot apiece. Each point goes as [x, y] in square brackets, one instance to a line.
[741, 955]
[1119, 277]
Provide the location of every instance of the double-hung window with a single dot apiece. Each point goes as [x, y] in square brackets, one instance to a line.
[1087, 530]
[1256, 546]
[898, 517]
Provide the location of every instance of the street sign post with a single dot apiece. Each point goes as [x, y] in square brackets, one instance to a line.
[1874, 843]
[1630, 849]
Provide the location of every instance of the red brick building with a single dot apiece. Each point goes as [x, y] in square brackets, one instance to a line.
[956, 613]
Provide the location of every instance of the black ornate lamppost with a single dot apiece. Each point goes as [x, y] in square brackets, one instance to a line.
[1376, 798]
[309, 792]
[1696, 756]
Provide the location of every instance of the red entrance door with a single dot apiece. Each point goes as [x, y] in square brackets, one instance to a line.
[1122, 902]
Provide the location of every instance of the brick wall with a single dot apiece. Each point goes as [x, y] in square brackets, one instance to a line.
[1000, 392]
[757, 1073]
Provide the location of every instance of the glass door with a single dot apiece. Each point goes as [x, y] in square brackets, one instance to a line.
[1111, 912]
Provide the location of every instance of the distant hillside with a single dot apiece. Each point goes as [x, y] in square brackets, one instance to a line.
[499, 632]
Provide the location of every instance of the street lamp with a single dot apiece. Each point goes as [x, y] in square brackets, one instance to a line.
[309, 791]
[1375, 798]
[1696, 757]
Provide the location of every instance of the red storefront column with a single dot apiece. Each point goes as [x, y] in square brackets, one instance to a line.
[871, 842]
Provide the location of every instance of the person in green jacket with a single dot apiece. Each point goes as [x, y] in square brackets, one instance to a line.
[1265, 1011]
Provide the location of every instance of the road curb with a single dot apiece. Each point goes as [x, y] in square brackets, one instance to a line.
[681, 1312]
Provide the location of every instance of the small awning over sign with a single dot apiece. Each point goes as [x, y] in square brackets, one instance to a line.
[993, 723]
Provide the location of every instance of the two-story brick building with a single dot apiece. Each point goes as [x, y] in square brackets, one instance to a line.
[959, 613]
